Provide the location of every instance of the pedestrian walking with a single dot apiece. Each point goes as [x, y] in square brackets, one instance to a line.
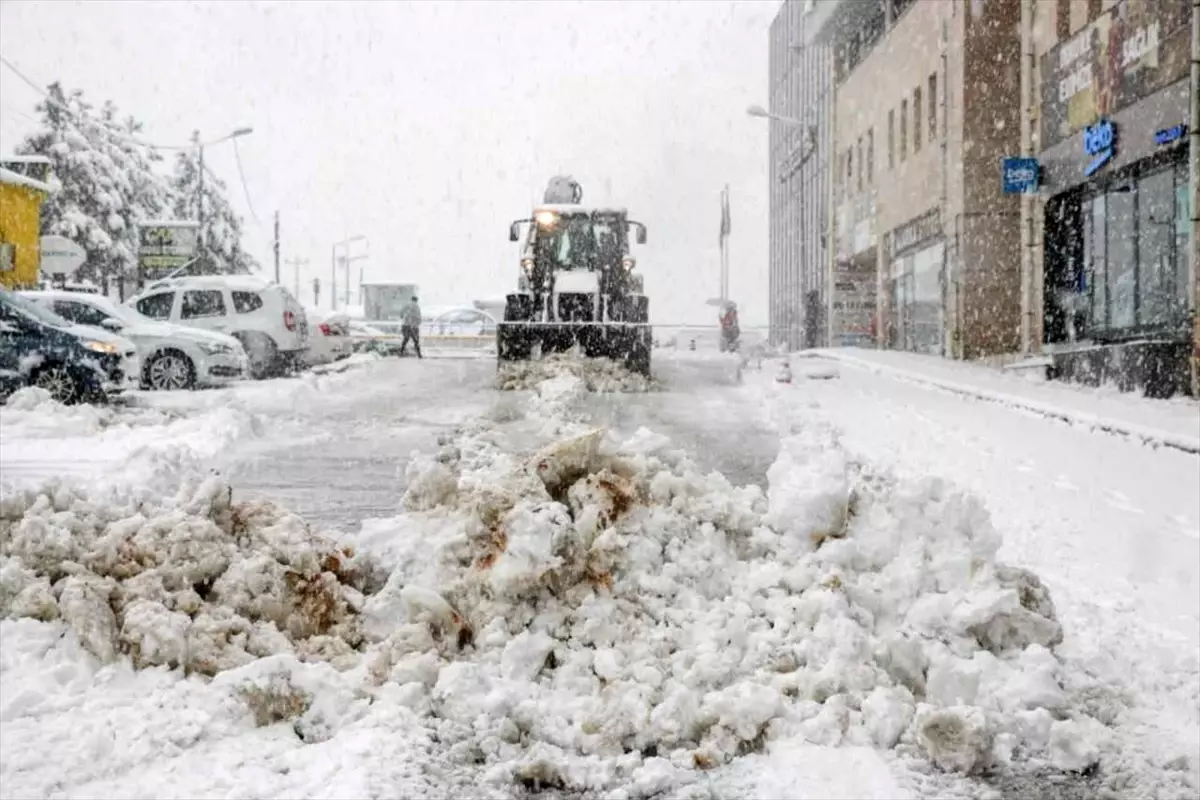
[410, 327]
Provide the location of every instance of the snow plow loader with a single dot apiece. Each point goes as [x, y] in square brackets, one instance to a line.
[577, 287]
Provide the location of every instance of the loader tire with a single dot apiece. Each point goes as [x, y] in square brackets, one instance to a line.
[513, 343]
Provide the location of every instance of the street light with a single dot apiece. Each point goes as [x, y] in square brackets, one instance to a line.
[333, 268]
[242, 131]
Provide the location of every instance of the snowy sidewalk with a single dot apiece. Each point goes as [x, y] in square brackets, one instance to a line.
[1174, 423]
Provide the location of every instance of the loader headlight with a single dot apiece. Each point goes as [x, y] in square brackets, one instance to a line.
[546, 218]
[628, 262]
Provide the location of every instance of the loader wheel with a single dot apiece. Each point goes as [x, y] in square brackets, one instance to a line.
[513, 343]
[638, 359]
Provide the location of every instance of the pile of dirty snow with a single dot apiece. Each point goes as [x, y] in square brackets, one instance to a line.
[193, 581]
[599, 615]
[596, 374]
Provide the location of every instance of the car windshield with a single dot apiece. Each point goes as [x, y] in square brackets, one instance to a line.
[35, 310]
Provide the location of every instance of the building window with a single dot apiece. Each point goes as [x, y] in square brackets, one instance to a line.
[933, 106]
[917, 120]
[849, 170]
[870, 156]
[891, 138]
[860, 164]
[903, 129]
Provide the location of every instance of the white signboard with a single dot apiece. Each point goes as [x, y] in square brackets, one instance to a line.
[61, 256]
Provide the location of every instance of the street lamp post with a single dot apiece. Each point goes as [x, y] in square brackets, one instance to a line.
[243, 131]
[809, 149]
[333, 269]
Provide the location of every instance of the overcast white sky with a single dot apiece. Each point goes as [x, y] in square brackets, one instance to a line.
[429, 126]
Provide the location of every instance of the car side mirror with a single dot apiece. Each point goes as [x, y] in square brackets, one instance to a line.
[112, 323]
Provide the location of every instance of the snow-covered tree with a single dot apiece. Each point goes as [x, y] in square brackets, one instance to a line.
[92, 189]
[106, 182]
[221, 232]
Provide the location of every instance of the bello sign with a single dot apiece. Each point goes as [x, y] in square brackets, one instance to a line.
[1099, 142]
[166, 244]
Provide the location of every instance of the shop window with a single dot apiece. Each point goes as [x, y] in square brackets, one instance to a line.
[1122, 252]
[1095, 229]
[1182, 224]
[917, 120]
[1156, 243]
[903, 128]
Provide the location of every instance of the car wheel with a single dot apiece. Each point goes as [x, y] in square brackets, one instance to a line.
[60, 383]
[262, 353]
[170, 370]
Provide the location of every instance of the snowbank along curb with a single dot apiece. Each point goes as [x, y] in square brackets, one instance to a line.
[1148, 435]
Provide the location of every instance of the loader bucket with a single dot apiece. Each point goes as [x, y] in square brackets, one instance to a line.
[628, 344]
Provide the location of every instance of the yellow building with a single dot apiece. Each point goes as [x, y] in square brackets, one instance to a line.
[20, 228]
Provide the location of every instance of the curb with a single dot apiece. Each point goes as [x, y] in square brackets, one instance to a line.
[1149, 436]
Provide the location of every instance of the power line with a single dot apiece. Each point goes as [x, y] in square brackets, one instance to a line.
[237, 157]
[106, 129]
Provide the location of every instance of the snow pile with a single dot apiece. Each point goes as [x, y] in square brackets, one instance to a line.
[31, 413]
[598, 615]
[194, 581]
[596, 374]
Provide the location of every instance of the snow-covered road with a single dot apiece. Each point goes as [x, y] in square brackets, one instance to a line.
[1110, 525]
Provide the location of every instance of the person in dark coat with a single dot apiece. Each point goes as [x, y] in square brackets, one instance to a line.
[410, 327]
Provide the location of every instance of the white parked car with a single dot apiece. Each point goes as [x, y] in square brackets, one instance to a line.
[172, 356]
[263, 316]
[330, 339]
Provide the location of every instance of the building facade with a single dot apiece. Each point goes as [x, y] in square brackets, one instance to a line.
[22, 192]
[926, 242]
[1110, 128]
[801, 86]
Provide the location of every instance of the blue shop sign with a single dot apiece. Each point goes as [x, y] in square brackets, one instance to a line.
[1100, 142]
[1019, 175]
[1171, 134]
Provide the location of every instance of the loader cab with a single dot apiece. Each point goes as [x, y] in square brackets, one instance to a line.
[564, 239]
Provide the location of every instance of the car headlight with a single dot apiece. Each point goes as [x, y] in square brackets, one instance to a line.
[216, 348]
[102, 347]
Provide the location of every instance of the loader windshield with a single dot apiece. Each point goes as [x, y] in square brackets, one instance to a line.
[568, 245]
[581, 241]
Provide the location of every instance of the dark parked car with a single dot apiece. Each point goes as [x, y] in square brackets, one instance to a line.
[72, 362]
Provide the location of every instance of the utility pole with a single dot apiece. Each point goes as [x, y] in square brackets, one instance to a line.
[201, 239]
[277, 247]
[295, 264]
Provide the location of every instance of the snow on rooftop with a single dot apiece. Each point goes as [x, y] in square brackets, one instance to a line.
[17, 179]
[24, 159]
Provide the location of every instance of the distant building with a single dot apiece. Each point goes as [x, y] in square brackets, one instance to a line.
[801, 82]
[927, 108]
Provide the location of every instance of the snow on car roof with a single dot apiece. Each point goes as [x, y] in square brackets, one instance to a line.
[253, 283]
